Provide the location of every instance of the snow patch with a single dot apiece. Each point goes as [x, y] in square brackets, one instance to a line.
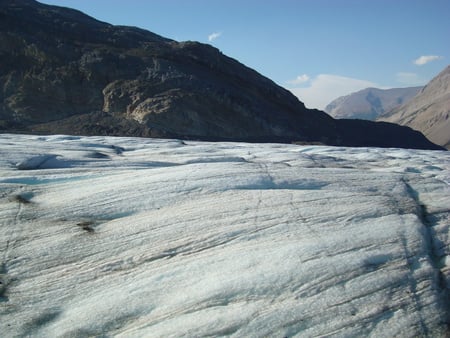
[42, 162]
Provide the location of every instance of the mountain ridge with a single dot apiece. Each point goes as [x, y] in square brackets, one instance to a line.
[370, 103]
[429, 111]
[65, 72]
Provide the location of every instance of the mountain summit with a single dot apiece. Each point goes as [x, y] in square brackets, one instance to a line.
[370, 103]
[65, 72]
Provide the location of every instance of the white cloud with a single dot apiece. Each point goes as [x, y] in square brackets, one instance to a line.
[324, 88]
[299, 80]
[409, 79]
[213, 36]
[425, 59]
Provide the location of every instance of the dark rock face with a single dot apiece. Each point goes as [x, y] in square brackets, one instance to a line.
[65, 72]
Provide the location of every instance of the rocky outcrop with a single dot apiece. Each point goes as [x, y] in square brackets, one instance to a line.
[428, 111]
[65, 72]
[370, 103]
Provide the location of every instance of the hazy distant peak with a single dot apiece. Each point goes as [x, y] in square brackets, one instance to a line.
[369, 103]
[429, 111]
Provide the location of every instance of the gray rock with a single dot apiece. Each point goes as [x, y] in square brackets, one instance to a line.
[65, 72]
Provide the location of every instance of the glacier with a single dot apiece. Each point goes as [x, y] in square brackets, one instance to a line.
[132, 237]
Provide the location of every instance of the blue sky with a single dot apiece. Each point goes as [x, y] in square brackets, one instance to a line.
[319, 49]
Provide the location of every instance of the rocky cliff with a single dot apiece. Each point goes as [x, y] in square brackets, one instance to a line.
[370, 103]
[428, 111]
[65, 72]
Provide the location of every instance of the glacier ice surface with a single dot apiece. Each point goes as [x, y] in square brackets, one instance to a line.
[164, 238]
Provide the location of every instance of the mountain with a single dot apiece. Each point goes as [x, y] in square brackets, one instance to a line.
[136, 237]
[65, 72]
[370, 103]
[428, 111]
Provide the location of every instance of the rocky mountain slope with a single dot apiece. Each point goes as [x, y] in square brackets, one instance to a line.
[370, 103]
[429, 111]
[65, 72]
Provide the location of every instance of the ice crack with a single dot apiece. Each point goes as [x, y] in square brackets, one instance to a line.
[437, 255]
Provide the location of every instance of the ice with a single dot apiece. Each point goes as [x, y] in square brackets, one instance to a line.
[105, 236]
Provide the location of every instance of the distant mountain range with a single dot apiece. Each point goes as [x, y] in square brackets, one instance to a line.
[428, 111]
[67, 73]
[370, 103]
